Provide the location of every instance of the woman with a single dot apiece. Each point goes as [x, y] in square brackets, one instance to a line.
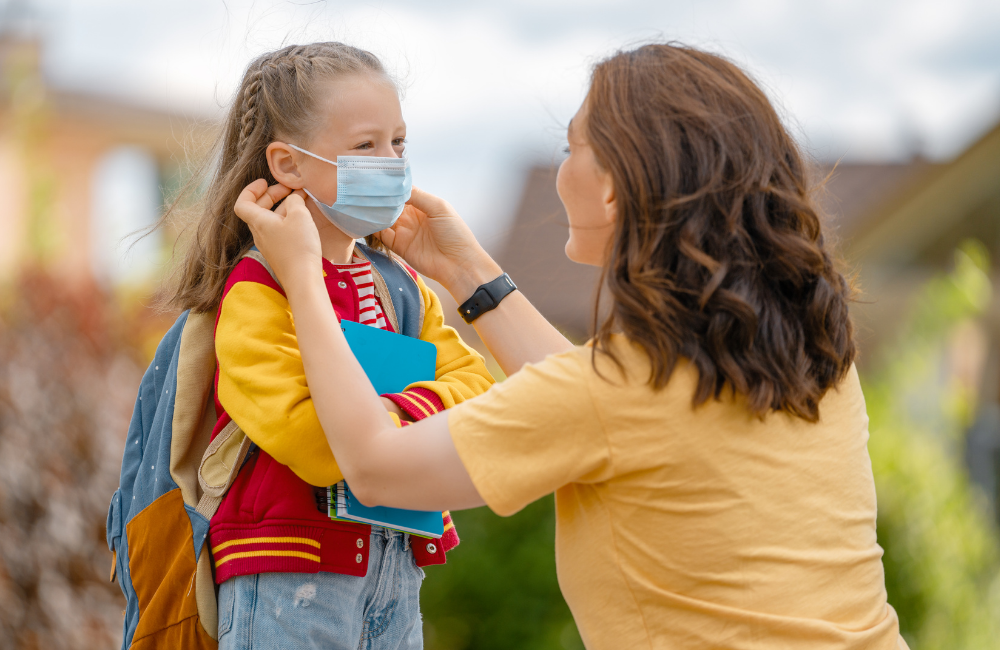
[708, 448]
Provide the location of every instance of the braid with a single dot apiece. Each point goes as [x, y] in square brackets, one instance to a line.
[248, 122]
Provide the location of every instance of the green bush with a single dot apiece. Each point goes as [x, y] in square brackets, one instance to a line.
[942, 554]
[499, 588]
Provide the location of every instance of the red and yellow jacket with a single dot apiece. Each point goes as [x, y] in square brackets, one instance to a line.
[269, 520]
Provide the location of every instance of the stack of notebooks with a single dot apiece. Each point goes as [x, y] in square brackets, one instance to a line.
[392, 362]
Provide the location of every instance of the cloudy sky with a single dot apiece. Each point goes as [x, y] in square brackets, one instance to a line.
[489, 87]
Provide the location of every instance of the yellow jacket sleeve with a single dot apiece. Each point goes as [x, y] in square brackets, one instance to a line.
[262, 383]
[461, 371]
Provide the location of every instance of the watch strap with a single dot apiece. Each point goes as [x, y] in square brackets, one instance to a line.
[486, 298]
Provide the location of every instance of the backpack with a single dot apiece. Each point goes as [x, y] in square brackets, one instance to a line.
[173, 479]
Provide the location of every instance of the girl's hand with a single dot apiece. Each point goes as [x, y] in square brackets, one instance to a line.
[287, 237]
[436, 242]
[392, 407]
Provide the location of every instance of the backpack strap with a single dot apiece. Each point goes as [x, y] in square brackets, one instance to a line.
[382, 291]
[255, 254]
[392, 274]
[219, 466]
[224, 456]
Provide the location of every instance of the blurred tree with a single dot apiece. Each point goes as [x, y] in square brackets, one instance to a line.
[942, 551]
[67, 385]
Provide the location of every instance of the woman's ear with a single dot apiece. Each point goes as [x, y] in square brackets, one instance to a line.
[283, 167]
[608, 198]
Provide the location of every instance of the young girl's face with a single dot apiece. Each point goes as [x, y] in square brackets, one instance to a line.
[360, 115]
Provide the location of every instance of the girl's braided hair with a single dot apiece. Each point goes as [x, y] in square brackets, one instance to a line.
[276, 100]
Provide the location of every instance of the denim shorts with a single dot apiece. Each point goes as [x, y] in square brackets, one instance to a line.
[295, 611]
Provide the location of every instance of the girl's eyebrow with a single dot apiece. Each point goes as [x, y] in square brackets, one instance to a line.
[372, 130]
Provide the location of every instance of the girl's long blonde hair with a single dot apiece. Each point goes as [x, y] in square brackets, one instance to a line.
[276, 100]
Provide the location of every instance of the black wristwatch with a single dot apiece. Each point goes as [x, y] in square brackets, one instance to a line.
[486, 297]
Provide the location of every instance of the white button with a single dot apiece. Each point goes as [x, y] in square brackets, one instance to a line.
[361, 543]
[358, 558]
[431, 548]
[342, 284]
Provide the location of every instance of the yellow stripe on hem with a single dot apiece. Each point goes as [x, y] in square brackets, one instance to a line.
[237, 556]
[451, 524]
[410, 399]
[429, 403]
[266, 540]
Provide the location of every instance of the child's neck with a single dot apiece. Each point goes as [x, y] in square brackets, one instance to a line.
[337, 246]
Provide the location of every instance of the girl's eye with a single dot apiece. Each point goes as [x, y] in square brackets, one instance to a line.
[364, 145]
[399, 142]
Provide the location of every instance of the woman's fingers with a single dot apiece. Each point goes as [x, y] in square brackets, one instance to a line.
[432, 206]
[388, 236]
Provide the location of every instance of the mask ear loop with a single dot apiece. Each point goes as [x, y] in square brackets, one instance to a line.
[309, 153]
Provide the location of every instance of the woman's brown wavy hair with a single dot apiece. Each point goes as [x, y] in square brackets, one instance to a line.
[718, 255]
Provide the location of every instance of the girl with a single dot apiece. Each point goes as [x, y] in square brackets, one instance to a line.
[708, 448]
[322, 119]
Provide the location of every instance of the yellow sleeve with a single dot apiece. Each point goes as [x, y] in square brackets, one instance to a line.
[461, 371]
[533, 434]
[262, 383]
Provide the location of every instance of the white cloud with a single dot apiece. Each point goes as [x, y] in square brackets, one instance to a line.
[488, 85]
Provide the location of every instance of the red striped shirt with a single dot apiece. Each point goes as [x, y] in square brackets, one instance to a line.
[371, 312]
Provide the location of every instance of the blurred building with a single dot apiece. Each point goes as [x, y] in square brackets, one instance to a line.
[80, 171]
[895, 225]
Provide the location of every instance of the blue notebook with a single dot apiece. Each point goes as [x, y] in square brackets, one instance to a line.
[392, 362]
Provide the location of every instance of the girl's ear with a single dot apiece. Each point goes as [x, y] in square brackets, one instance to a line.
[283, 167]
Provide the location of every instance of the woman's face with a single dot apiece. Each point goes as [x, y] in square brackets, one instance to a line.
[587, 193]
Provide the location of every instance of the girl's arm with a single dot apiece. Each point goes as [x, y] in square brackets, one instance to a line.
[432, 237]
[416, 467]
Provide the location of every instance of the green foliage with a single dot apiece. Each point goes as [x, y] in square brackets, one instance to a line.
[942, 552]
[499, 588]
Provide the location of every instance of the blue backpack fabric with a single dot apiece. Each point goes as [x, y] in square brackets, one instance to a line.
[153, 528]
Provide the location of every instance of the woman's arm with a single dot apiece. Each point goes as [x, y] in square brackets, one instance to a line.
[414, 467]
[432, 237]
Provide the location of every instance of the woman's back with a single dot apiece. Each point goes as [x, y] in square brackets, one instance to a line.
[711, 526]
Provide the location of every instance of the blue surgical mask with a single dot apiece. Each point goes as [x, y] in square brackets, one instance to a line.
[371, 192]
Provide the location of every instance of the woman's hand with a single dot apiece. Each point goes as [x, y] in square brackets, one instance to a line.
[434, 240]
[287, 236]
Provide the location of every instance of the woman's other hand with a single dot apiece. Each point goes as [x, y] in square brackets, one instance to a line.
[287, 237]
[434, 240]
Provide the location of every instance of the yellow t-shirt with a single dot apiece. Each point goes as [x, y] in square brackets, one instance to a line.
[681, 527]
